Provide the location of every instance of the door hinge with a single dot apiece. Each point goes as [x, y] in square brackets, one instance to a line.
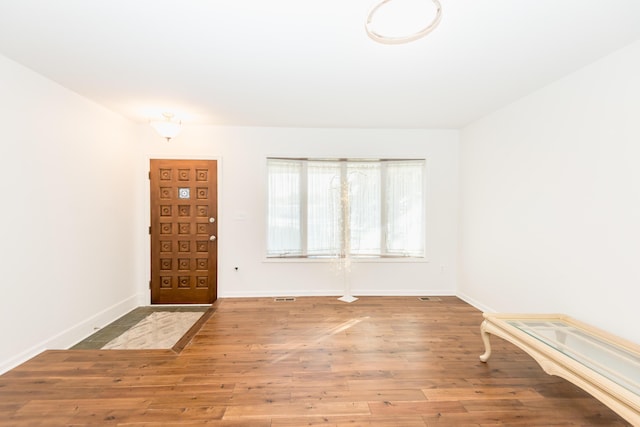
[149, 174]
[149, 284]
[149, 229]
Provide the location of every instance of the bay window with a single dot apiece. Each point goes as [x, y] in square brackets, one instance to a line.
[345, 208]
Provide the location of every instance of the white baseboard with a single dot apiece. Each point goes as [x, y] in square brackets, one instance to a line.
[263, 294]
[480, 306]
[405, 293]
[74, 334]
[337, 293]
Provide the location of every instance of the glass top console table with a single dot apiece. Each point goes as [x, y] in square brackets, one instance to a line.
[603, 365]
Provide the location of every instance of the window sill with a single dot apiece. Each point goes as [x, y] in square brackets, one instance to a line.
[357, 260]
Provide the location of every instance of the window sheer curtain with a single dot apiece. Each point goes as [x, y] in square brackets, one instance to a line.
[324, 206]
[404, 202]
[343, 208]
[284, 223]
[365, 209]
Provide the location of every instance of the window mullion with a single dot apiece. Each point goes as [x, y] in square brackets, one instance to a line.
[345, 231]
[383, 208]
[304, 208]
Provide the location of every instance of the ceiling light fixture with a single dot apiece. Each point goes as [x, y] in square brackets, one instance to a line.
[401, 39]
[167, 128]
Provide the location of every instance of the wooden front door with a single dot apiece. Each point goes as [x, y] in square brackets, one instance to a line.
[183, 231]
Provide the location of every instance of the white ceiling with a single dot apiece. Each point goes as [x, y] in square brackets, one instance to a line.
[300, 63]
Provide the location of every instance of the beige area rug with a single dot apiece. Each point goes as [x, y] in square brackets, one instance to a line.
[159, 330]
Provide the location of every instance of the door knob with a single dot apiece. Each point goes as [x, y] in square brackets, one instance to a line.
[212, 220]
[212, 238]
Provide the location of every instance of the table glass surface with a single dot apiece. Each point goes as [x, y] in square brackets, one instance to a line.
[609, 360]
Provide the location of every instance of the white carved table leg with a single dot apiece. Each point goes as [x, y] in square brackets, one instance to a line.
[487, 345]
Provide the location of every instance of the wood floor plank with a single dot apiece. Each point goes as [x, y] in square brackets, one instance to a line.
[341, 421]
[404, 408]
[362, 395]
[486, 393]
[380, 361]
[296, 409]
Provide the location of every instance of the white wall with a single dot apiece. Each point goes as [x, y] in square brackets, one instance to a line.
[242, 156]
[550, 200]
[67, 215]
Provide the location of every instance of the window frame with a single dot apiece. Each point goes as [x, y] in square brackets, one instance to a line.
[303, 257]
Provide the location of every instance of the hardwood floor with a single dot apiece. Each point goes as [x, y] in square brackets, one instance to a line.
[380, 361]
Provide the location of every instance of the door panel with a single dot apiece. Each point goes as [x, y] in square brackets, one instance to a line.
[183, 231]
